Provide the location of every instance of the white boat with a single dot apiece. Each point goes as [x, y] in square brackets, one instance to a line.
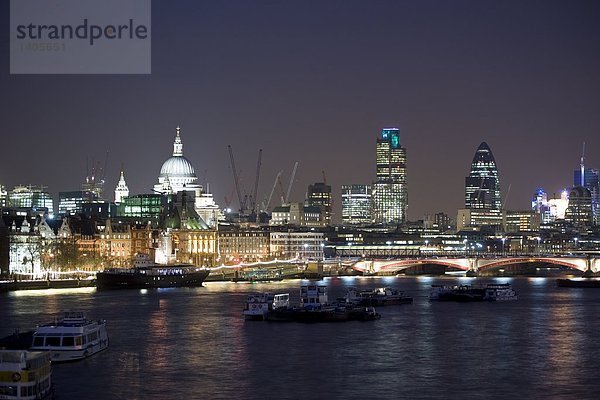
[257, 306]
[72, 338]
[499, 292]
[25, 375]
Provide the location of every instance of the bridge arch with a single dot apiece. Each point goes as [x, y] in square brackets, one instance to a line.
[573, 263]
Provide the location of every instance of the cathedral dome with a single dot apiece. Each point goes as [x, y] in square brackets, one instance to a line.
[177, 167]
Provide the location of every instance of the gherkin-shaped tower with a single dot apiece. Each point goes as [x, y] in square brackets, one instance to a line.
[482, 186]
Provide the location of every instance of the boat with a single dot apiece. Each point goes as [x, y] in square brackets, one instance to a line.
[461, 293]
[578, 283]
[315, 307]
[376, 297]
[146, 275]
[468, 293]
[17, 340]
[25, 375]
[257, 306]
[499, 292]
[71, 338]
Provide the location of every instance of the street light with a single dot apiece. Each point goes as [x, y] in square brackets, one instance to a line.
[503, 241]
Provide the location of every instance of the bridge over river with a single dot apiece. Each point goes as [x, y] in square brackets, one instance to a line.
[587, 264]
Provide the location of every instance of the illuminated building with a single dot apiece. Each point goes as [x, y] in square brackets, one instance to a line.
[589, 179]
[550, 210]
[390, 196]
[237, 245]
[121, 190]
[357, 205]
[144, 240]
[144, 207]
[558, 207]
[3, 197]
[71, 203]
[185, 237]
[25, 249]
[177, 174]
[319, 195]
[521, 221]
[34, 198]
[303, 245]
[477, 218]
[482, 186]
[4, 248]
[116, 244]
[579, 212]
[297, 214]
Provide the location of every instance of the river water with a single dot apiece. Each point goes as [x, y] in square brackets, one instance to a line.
[194, 344]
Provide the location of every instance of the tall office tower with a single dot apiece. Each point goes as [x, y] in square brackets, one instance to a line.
[319, 195]
[121, 191]
[390, 195]
[579, 211]
[482, 186]
[589, 178]
[357, 205]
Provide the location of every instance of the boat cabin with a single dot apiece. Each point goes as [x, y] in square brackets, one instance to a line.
[25, 374]
[313, 296]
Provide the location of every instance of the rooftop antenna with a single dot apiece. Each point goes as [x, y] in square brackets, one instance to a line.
[582, 165]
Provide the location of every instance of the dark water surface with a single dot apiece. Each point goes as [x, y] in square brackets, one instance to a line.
[194, 344]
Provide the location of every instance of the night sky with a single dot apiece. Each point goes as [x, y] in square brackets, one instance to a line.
[314, 82]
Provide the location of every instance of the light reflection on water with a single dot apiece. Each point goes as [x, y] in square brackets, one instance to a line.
[194, 343]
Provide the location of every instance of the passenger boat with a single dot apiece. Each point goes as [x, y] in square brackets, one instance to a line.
[376, 297]
[72, 338]
[579, 283]
[25, 375]
[315, 307]
[146, 275]
[257, 306]
[468, 293]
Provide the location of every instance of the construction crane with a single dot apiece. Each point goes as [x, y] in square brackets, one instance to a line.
[287, 196]
[254, 193]
[236, 181]
[277, 179]
[281, 191]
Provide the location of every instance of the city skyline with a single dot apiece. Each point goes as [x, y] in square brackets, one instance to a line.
[109, 188]
[521, 77]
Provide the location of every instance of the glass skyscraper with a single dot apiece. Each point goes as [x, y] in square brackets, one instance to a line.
[482, 186]
[591, 182]
[390, 195]
[356, 205]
